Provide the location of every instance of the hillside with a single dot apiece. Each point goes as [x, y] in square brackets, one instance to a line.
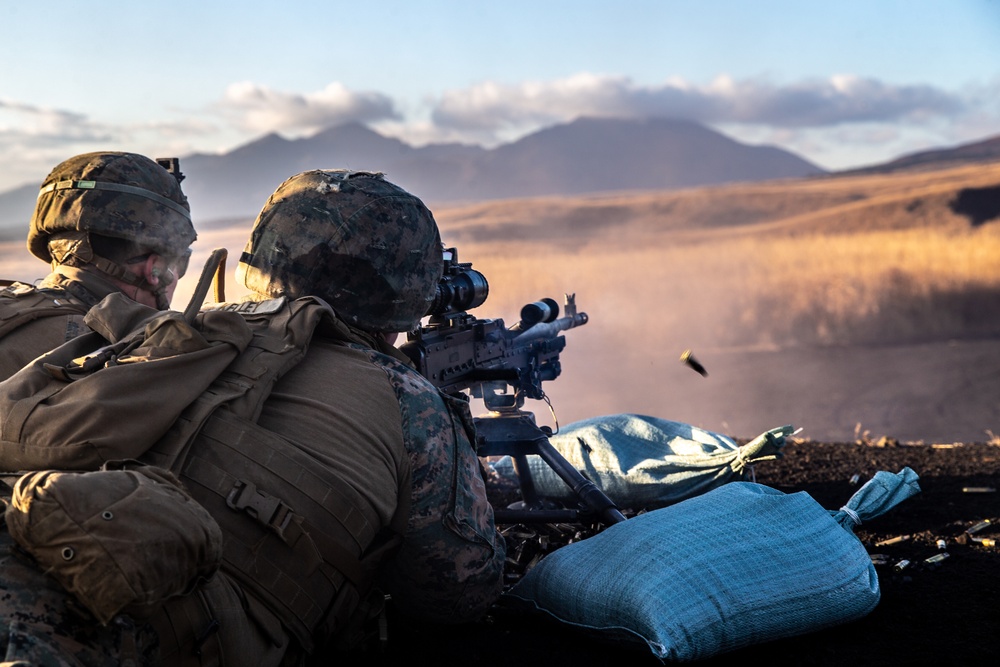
[829, 205]
[987, 150]
[790, 294]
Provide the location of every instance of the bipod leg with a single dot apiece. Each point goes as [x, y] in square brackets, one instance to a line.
[586, 491]
[527, 484]
[517, 435]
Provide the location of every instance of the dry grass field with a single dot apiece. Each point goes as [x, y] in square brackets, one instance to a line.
[850, 305]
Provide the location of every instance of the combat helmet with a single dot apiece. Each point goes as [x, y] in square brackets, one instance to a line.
[118, 196]
[112, 194]
[366, 246]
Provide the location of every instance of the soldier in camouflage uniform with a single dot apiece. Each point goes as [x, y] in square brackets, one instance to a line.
[106, 222]
[400, 451]
[44, 626]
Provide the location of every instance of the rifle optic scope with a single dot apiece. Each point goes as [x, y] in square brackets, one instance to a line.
[461, 287]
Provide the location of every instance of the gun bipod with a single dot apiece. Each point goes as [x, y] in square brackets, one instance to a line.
[514, 433]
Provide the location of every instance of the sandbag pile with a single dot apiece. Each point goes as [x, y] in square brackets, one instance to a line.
[644, 462]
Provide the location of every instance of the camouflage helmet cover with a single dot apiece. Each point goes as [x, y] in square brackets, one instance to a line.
[366, 246]
[116, 194]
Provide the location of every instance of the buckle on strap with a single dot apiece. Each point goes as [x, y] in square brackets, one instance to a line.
[265, 508]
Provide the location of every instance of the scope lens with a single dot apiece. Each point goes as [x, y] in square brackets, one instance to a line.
[462, 291]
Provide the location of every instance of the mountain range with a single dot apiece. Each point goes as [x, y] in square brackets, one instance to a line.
[587, 155]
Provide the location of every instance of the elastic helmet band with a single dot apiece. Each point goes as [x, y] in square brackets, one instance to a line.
[116, 187]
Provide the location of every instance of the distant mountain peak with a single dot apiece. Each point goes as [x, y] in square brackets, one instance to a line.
[353, 127]
[267, 142]
[356, 134]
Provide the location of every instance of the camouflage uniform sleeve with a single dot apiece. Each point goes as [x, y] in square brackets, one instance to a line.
[42, 624]
[449, 568]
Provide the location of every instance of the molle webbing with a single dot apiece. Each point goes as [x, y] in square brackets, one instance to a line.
[21, 303]
[274, 349]
[295, 535]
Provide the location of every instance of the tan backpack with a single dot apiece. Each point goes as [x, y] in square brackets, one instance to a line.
[55, 413]
[184, 393]
[292, 527]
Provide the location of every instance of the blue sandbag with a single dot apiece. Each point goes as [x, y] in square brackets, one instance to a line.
[739, 565]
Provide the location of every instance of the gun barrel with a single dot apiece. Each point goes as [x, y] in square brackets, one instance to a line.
[544, 330]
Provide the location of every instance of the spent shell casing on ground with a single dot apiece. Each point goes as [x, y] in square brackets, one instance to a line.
[901, 565]
[893, 540]
[978, 489]
[982, 525]
[941, 544]
[936, 559]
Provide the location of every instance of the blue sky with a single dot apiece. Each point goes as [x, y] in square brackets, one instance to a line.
[842, 83]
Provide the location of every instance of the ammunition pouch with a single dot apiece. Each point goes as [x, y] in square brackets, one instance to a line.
[82, 527]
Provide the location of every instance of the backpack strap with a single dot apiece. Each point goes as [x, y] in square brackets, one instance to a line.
[281, 334]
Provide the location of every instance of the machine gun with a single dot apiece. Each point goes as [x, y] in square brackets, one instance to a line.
[457, 351]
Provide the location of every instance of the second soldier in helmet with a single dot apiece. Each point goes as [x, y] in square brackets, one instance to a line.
[106, 222]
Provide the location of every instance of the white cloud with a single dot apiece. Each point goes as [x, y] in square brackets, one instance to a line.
[40, 125]
[841, 99]
[260, 109]
[34, 139]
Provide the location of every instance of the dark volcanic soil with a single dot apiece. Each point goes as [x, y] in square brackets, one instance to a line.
[926, 616]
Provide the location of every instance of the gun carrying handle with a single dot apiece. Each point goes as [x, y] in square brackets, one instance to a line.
[219, 284]
[212, 273]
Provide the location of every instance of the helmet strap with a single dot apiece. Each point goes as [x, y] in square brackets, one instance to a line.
[75, 250]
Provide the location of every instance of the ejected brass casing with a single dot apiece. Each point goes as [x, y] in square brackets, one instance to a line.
[689, 359]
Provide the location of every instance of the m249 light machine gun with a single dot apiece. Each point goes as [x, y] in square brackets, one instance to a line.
[504, 366]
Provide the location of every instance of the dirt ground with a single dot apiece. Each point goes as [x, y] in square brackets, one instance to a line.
[944, 615]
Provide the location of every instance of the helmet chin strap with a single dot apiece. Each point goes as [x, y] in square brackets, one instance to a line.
[77, 251]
